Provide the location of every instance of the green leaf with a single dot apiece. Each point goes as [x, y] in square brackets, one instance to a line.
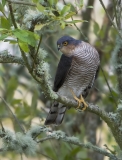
[16, 101]
[51, 2]
[2, 37]
[2, 9]
[24, 46]
[5, 23]
[62, 24]
[96, 28]
[4, 33]
[3, 30]
[73, 153]
[26, 36]
[10, 40]
[65, 9]
[40, 7]
[69, 15]
[80, 4]
[35, 1]
[11, 87]
[76, 21]
[34, 102]
[23, 111]
[3, 2]
[90, 7]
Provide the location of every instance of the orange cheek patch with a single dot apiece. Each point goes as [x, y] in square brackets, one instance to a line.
[67, 50]
[71, 47]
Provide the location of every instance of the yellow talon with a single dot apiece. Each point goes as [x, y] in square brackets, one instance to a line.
[81, 100]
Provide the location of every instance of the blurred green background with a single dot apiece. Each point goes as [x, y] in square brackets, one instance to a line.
[29, 104]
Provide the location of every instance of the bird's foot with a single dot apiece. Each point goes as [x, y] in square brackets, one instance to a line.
[80, 100]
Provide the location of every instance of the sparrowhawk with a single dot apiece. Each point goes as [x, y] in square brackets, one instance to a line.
[75, 75]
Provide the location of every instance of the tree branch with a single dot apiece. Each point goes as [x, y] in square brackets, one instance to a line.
[22, 143]
[22, 3]
[12, 14]
[15, 118]
[7, 58]
[59, 135]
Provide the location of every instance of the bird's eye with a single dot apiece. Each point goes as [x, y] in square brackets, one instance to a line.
[65, 43]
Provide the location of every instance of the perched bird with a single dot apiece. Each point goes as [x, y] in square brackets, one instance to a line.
[76, 73]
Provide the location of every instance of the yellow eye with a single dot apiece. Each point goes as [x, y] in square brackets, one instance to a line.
[65, 43]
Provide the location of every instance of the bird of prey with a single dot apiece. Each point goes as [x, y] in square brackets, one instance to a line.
[76, 73]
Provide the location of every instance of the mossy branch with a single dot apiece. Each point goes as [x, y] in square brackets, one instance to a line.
[27, 144]
[5, 57]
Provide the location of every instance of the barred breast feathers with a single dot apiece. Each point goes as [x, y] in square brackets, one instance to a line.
[84, 52]
[83, 69]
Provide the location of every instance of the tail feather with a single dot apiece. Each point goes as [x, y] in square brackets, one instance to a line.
[56, 114]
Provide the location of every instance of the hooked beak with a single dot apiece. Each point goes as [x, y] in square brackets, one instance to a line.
[59, 47]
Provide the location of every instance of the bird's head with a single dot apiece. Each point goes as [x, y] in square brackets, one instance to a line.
[67, 44]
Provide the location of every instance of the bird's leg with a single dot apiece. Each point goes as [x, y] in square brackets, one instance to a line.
[79, 100]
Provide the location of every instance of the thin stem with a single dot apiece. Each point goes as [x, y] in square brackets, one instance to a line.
[55, 55]
[21, 157]
[76, 25]
[115, 11]
[110, 18]
[35, 56]
[38, 46]
[15, 118]
[2, 126]
[15, 26]
[80, 31]
[45, 139]
[80, 144]
[108, 86]
[12, 14]
[45, 155]
[22, 3]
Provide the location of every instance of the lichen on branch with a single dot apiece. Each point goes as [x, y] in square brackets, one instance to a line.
[28, 143]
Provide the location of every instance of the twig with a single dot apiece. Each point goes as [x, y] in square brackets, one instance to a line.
[108, 86]
[77, 27]
[45, 139]
[55, 55]
[75, 141]
[45, 155]
[2, 126]
[35, 56]
[38, 47]
[115, 11]
[21, 156]
[113, 152]
[15, 118]
[110, 18]
[12, 15]
[80, 30]
[15, 26]
[22, 3]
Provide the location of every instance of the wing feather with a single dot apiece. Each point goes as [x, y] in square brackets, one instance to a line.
[62, 70]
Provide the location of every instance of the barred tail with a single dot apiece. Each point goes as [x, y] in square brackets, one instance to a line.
[56, 114]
